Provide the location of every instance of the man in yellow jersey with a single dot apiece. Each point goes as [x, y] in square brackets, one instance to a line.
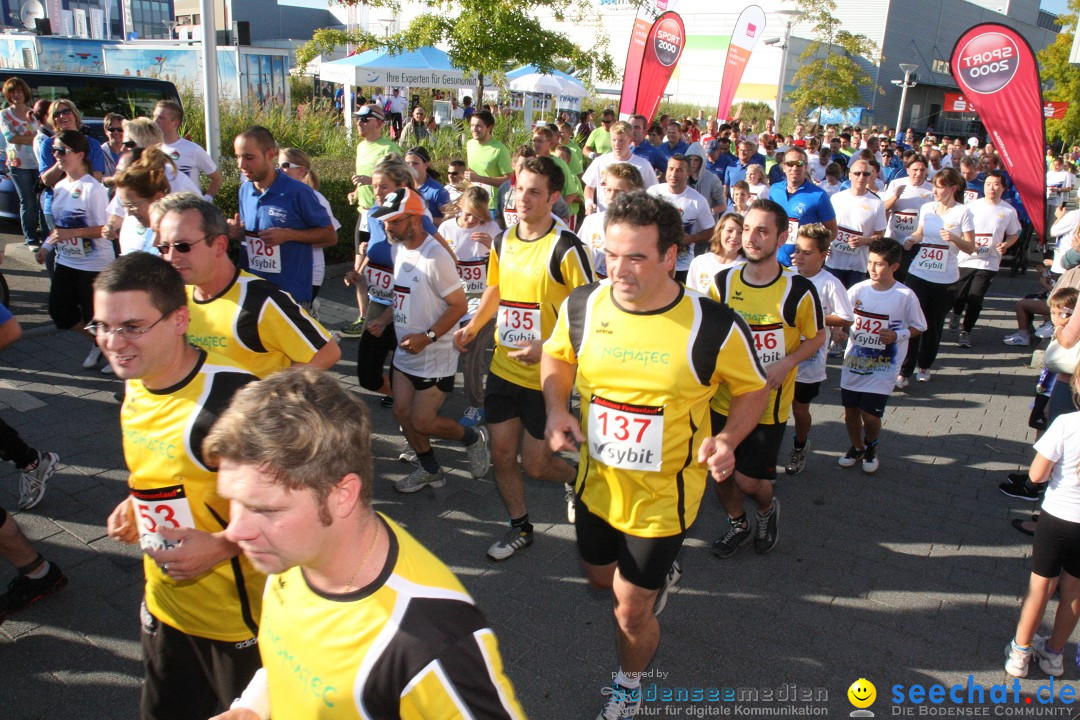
[785, 317]
[648, 355]
[532, 268]
[201, 605]
[359, 619]
[232, 312]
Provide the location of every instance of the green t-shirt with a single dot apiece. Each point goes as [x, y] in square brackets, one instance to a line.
[571, 184]
[490, 159]
[599, 140]
[368, 154]
[577, 160]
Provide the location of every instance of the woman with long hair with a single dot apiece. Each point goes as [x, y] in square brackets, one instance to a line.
[295, 163]
[945, 227]
[78, 209]
[140, 185]
[19, 126]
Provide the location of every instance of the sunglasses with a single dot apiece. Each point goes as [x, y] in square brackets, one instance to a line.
[61, 113]
[130, 144]
[61, 151]
[181, 247]
[861, 173]
[116, 129]
[455, 174]
[793, 163]
[290, 166]
[366, 119]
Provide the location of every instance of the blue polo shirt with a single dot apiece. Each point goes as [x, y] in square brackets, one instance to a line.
[809, 204]
[651, 155]
[287, 203]
[5, 314]
[974, 190]
[435, 196]
[666, 151]
[736, 171]
[723, 161]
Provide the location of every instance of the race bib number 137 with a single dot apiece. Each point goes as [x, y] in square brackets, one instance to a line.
[629, 437]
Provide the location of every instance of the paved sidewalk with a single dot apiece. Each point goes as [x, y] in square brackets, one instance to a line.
[910, 576]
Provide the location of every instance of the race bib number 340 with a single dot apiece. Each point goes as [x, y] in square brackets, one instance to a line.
[624, 436]
[159, 508]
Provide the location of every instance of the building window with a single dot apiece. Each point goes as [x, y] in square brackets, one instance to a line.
[941, 67]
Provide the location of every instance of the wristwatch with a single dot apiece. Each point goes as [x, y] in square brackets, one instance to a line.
[431, 335]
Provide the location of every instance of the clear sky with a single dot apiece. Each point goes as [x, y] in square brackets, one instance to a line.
[1055, 6]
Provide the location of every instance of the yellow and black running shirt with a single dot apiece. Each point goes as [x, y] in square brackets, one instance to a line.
[780, 315]
[410, 645]
[172, 486]
[256, 325]
[645, 381]
[533, 277]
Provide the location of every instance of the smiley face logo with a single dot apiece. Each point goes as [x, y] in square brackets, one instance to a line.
[862, 693]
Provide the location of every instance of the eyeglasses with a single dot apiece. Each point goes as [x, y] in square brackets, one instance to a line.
[130, 144]
[861, 173]
[794, 163]
[181, 247]
[116, 129]
[100, 330]
[61, 113]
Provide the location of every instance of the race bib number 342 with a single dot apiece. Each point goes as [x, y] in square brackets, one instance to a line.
[624, 436]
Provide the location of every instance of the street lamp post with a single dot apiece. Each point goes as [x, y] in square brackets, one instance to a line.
[792, 16]
[908, 69]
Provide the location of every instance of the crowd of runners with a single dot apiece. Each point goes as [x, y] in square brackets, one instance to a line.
[634, 317]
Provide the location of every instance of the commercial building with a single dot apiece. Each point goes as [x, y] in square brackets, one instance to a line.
[98, 19]
[920, 32]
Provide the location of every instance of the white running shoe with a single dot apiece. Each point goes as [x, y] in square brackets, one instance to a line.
[92, 357]
[32, 482]
[479, 455]
[419, 479]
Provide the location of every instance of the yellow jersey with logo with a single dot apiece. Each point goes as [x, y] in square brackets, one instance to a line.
[410, 645]
[780, 315]
[256, 325]
[645, 381]
[534, 277]
[172, 487]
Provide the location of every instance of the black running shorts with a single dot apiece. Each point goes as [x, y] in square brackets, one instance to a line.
[641, 561]
[756, 455]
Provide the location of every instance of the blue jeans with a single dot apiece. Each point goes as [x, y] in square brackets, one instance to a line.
[24, 180]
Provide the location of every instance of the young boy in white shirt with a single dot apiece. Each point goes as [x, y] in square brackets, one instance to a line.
[887, 315]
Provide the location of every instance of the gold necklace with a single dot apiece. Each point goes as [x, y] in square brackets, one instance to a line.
[367, 556]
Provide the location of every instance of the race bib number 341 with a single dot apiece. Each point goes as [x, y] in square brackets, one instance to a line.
[624, 436]
[159, 508]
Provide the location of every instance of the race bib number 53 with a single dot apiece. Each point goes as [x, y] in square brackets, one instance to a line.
[624, 436]
[159, 508]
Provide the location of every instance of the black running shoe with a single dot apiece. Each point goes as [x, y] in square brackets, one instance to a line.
[22, 591]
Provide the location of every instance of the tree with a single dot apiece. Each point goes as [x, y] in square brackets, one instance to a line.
[832, 79]
[1061, 79]
[486, 36]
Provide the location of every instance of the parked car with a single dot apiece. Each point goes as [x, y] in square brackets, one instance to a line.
[95, 96]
